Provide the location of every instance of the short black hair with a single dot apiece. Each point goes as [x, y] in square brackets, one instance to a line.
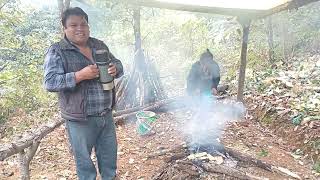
[206, 56]
[75, 11]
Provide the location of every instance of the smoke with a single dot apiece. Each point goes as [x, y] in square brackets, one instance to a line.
[209, 119]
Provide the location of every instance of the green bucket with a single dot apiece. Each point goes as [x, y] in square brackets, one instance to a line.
[145, 122]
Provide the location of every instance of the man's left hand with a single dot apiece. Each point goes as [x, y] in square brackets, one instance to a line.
[112, 70]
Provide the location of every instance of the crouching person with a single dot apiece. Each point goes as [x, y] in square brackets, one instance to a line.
[85, 103]
[204, 76]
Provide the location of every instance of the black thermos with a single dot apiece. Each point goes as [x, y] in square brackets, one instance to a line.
[104, 77]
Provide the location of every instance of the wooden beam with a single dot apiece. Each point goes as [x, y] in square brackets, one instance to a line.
[248, 13]
[243, 59]
[293, 4]
[196, 8]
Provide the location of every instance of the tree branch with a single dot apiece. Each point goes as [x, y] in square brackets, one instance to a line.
[4, 4]
[19, 145]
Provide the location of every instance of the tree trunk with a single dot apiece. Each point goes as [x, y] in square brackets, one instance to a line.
[63, 5]
[270, 39]
[24, 166]
[25, 156]
[66, 4]
[245, 36]
[143, 85]
[136, 28]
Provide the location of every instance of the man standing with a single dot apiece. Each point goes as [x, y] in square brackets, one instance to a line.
[71, 70]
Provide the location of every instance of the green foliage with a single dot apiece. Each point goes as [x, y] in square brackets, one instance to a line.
[263, 153]
[316, 144]
[267, 119]
[316, 166]
[173, 40]
[24, 40]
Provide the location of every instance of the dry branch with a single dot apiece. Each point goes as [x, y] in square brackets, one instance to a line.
[165, 151]
[188, 169]
[264, 165]
[216, 168]
[285, 172]
[245, 158]
[28, 140]
[25, 157]
[121, 115]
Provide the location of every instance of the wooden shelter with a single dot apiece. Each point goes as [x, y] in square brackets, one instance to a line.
[244, 10]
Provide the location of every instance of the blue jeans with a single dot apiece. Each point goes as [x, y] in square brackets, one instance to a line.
[98, 132]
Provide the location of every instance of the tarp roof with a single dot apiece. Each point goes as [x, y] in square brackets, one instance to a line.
[239, 4]
[248, 8]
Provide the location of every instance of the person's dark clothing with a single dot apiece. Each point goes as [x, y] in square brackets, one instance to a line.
[203, 77]
[87, 97]
[85, 106]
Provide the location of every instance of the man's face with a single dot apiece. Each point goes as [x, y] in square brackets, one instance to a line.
[77, 30]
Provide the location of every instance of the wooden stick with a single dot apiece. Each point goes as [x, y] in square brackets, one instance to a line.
[285, 172]
[121, 115]
[164, 151]
[245, 158]
[261, 164]
[15, 147]
[216, 168]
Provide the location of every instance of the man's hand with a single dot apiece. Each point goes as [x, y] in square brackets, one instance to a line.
[214, 91]
[112, 70]
[89, 72]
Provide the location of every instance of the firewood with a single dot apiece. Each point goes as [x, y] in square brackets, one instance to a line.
[245, 158]
[160, 174]
[188, 169]
[259, 163]
[215, 168]
[285, 172]
[165, 151]
[175, 157]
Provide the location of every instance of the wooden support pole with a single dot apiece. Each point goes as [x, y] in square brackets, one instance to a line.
[25, 156]
[136, 28]
[243, 62]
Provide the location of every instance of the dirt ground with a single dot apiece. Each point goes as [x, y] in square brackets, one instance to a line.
[54, 161]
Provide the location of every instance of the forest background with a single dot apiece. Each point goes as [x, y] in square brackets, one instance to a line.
[283, 56]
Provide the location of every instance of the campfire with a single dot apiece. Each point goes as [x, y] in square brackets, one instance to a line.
[203, 151]
[205, 163]
[203, 156]
[181, 163]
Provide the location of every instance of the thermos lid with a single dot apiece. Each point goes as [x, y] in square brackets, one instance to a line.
[108, 86]
[101, 63]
